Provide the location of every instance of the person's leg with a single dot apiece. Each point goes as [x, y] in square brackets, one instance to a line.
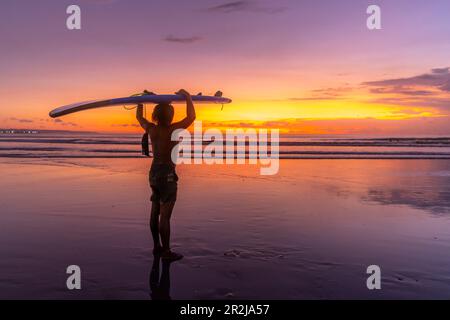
[164, 229]
[154, 226]
[164, 223]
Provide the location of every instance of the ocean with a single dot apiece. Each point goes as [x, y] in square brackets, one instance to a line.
[97, 145]
[308, 232]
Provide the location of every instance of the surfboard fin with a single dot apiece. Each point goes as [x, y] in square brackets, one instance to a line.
[143, 93]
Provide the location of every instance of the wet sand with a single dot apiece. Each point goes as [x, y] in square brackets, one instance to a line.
[308, 233]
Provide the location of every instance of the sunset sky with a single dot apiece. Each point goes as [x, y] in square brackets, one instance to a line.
[304, 66]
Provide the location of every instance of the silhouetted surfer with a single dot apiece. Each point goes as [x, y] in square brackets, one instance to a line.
[163, 178]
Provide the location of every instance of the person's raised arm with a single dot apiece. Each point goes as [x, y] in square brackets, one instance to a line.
[190, 111]
[145, 124]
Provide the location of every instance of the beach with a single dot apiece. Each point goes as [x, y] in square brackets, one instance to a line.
[309, 232]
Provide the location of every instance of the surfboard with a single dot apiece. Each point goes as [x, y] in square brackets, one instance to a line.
[134, 100]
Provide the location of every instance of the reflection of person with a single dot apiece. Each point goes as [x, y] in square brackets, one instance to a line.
[163, 178]
[160, 287]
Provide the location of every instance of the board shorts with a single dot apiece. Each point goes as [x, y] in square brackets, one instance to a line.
[164, 183]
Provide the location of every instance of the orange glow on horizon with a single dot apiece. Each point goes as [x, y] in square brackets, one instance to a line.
[283, 115]
[290, 116]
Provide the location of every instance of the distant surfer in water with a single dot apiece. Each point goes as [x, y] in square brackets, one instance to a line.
[163, 178]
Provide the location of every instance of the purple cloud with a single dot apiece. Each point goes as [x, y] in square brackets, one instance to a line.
[64, 123]
[184, 40]
[126, 125]
[440, 70]
[244, 5]
[439, 78]
[21, 120]
[325, 94]
[402, 90]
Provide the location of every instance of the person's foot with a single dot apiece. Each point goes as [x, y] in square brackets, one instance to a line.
[157, 250]
[171, 256]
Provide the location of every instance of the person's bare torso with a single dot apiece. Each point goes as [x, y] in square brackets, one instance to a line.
[162, 144]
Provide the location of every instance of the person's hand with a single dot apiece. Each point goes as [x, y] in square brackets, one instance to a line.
[184, 93]
[140, 105]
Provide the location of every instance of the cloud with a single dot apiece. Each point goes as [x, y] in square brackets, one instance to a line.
[132, 125]
[21, 120]
[318, 98]
[440, 70]
[325, 94]
[426, 102]
[402, 90]
[185, 40]
[40, 120]
[64, 123]
[438, 78]
[430, 89]
[446, 87]
[244, 6]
